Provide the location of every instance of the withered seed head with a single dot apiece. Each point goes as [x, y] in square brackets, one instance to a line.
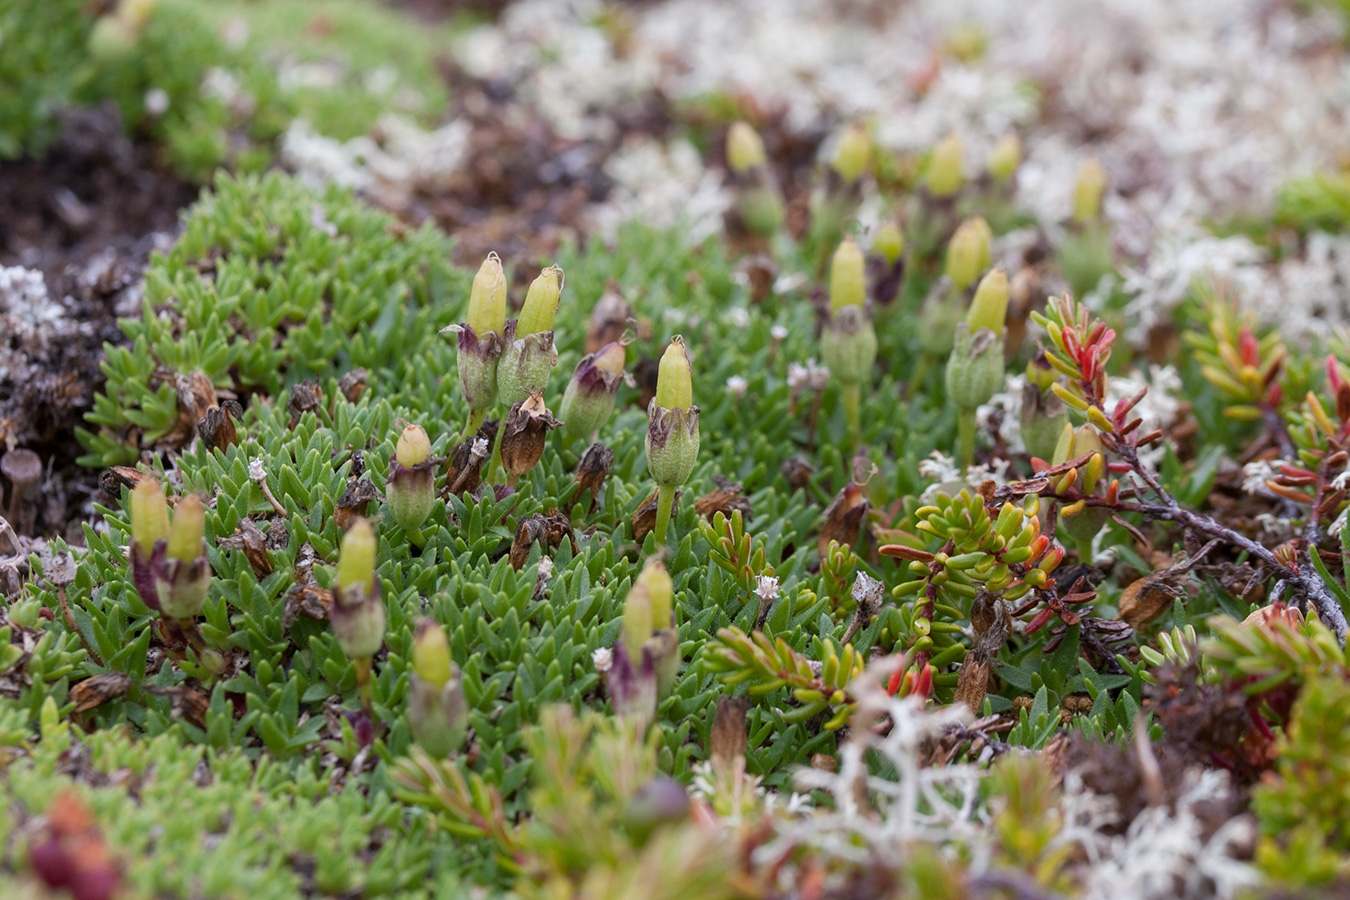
[353, 384]
[527, 427]
[843, 518]
[305, 397]
[594, 467]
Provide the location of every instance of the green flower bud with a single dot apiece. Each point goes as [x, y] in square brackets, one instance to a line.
[889, 242]
[675, 377]
[1005, 158]
[431, 653]
[411, 490]
[745, 149]
[848, 284]
[938, 317]
[975, 367]
[588, 400]
[661, 589]
[637, 621]
[149, 515]
[541, 302]
[854, 153]
[1043, 414]
[357, 613]
[481, 338]
[438, 713]
[968, 253]
[990, 307]
[185, 535]
[1040, 372]
[848, 343]
[944, 175]
[529, 355]
[487, 298]
[1088, 191]
[169, 568]
[672, 419]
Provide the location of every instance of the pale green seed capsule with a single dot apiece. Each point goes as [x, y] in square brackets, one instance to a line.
[1088, 190]
[356, 562]
[675, 378]
[745, 149]
[487, 298]
[185, 536]
[541, 303]
[854, 153]
[149, 515]
[990, 307]
[945, 175]
[847, 276]
[431, 653]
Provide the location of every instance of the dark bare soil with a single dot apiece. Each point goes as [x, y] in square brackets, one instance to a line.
[87, 214]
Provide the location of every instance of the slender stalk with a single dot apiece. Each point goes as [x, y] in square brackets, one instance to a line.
[496, 462]
[665, 500]
[965, 420]
[476, 417]
[851, 392]
[364, 687]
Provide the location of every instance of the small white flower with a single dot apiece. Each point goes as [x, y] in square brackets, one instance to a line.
[256, 470]
[603, 660]
[796, 377]
[1341, 480]
[767, 588]
[736, 386]
[778, 332]
[479, 449]
[156, 102]
[817, 375]
[738, 317]
[1255, 475]
[545, 569]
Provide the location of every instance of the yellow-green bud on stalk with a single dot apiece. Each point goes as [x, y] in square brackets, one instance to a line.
[942, 309]
[745, 149]
[990, 307]
[1005, 158]
[975, 367]
[411, 489]
[672, 430]
[854, 154]
[661, 589]
[889, 242]
[588, 400]
[1082, 523]
[357, 614]
[758, 201]
[530, 355]
[1088, 190]
[1043, 414]
[438, 713]
[1087, 254]
[663, 643]
[637, 621]
[169, 567]
[149, 515]
[968, 253]
[848, 342]
[945, 174]
[481, 339]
